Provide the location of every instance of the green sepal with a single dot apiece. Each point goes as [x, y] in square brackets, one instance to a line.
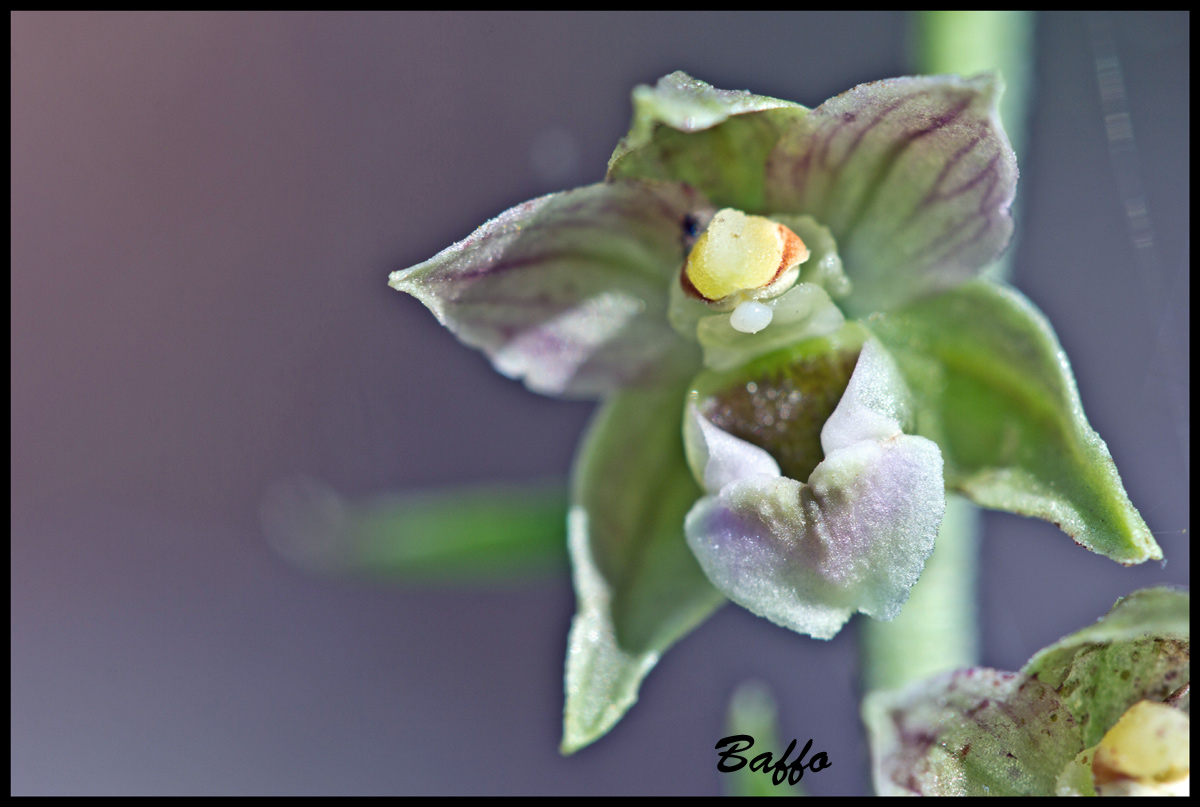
[638, 587]
[994, 390]
[493, 532]
[1140, 650]
[717, 141]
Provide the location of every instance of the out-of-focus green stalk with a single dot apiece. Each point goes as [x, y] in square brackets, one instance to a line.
[474, 534]
[752, 711]
[938, 628]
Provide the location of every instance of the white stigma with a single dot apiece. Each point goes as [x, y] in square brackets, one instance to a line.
[751, 317]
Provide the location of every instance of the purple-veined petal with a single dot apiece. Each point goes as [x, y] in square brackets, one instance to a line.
[914, 177]
[568, 292]
[853, 537]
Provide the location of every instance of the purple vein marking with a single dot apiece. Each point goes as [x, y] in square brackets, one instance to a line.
[891, 157]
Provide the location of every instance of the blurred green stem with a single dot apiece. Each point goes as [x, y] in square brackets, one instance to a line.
[752, 711]
[938, 628]
[497, 533]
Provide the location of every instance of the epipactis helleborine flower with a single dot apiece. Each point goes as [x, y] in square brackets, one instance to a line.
[1104, 711]
[801, 290]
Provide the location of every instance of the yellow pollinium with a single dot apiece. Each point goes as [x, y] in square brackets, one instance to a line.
[1151, 743]
[739, 252]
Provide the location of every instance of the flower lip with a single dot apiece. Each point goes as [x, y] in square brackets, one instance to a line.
[852, 535]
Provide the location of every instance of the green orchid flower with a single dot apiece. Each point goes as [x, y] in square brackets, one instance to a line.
[783, 311]
[1104, 711]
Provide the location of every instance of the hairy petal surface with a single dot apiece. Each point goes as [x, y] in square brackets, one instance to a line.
[975, 732]
[638, 587]
[853, 537]
[569, 291]
[994, 389]
[715, 140]
[913, 176]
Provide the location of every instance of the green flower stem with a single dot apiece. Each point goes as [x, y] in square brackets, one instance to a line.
[937, 630]
[752, 711]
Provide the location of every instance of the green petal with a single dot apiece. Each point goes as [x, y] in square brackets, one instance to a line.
[495, 532]
[638, 587]
[1140, 650]
[914, 177]
[975, 732]
[715, 140]
[994, 389]
[569, 291]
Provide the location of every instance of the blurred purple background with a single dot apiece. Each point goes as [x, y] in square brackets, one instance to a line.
[205, 209]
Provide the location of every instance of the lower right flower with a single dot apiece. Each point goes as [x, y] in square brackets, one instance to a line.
[1104, 711]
